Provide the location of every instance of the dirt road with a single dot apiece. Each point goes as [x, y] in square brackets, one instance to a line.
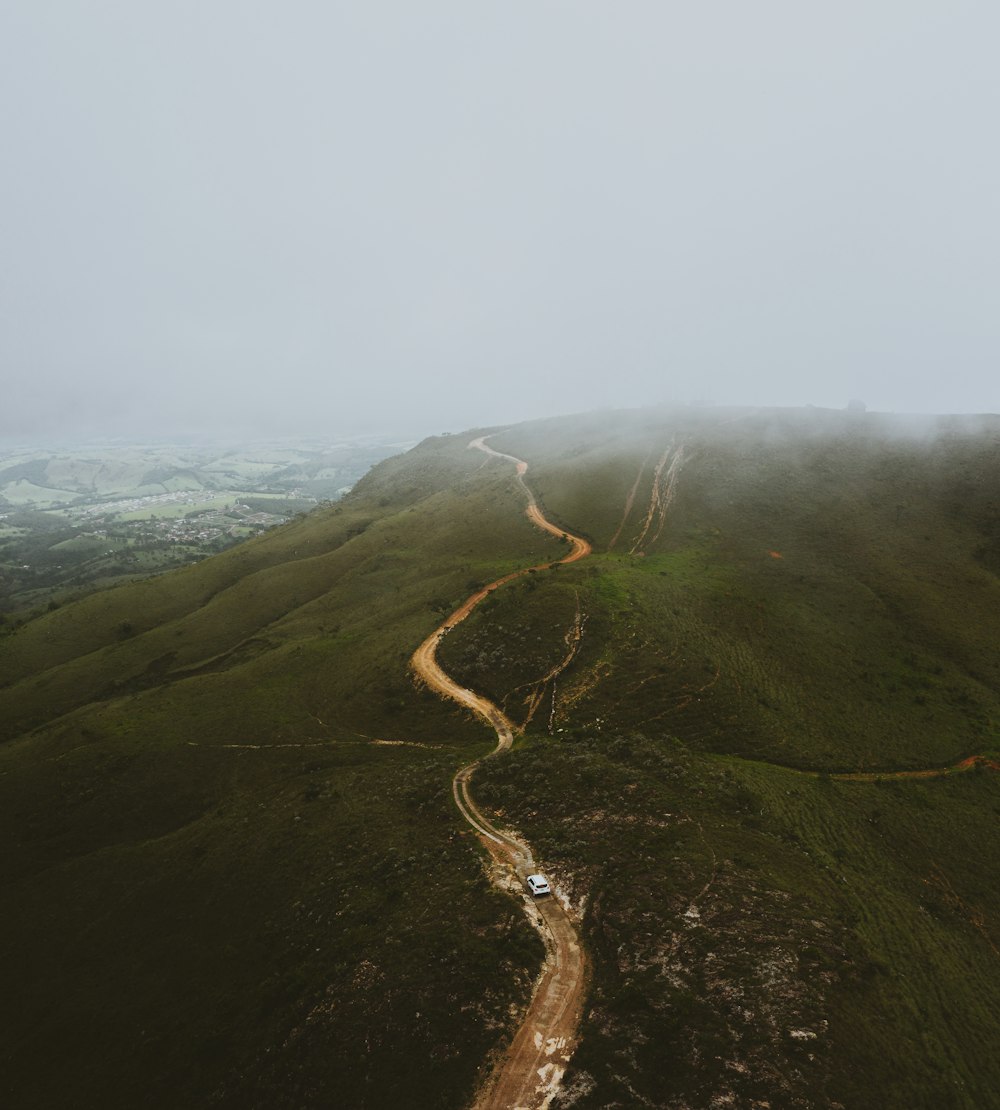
[970, 763]
[528, 1074]
[962, 767]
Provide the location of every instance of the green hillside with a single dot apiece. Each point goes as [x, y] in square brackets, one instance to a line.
[235, 876]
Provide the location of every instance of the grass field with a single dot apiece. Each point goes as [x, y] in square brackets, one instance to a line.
[229, 892]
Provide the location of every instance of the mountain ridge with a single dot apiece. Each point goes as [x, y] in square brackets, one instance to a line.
[812, 588]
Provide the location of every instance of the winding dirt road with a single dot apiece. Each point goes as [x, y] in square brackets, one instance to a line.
[528, 1074]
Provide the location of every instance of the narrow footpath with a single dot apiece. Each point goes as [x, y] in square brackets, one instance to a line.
[528, 1074]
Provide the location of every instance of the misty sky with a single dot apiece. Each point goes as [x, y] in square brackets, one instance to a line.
[366, 215]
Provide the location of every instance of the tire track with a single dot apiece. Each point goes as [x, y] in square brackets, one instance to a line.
[629, 500]
[661, 495]
[572, 640]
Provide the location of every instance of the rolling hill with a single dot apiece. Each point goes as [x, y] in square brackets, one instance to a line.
[235, 876]
[75, 519]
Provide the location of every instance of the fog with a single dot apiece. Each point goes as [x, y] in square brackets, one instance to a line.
[292, 217]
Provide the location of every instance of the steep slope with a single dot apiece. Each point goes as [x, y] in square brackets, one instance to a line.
[228, 826]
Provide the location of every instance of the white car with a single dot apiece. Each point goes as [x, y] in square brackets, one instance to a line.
[538, 885]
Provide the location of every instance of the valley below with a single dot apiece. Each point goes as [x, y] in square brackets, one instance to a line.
[77, 518]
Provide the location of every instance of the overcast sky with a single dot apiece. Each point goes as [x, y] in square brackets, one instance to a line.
[436, 215]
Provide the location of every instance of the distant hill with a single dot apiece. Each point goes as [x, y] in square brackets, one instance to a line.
[47, 477]
[80, 518]
[226, 889]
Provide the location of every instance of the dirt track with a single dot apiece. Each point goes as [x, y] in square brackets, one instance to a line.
[963, 766]
[530, 1070]
[960, 768]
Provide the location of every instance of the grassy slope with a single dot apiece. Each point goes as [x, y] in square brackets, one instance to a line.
[761, 937]
[757, 934]
[203, 923]
[870, 641]
[866, 914]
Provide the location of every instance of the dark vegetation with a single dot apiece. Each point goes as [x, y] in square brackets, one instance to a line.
[226, 894]
[760, 938]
